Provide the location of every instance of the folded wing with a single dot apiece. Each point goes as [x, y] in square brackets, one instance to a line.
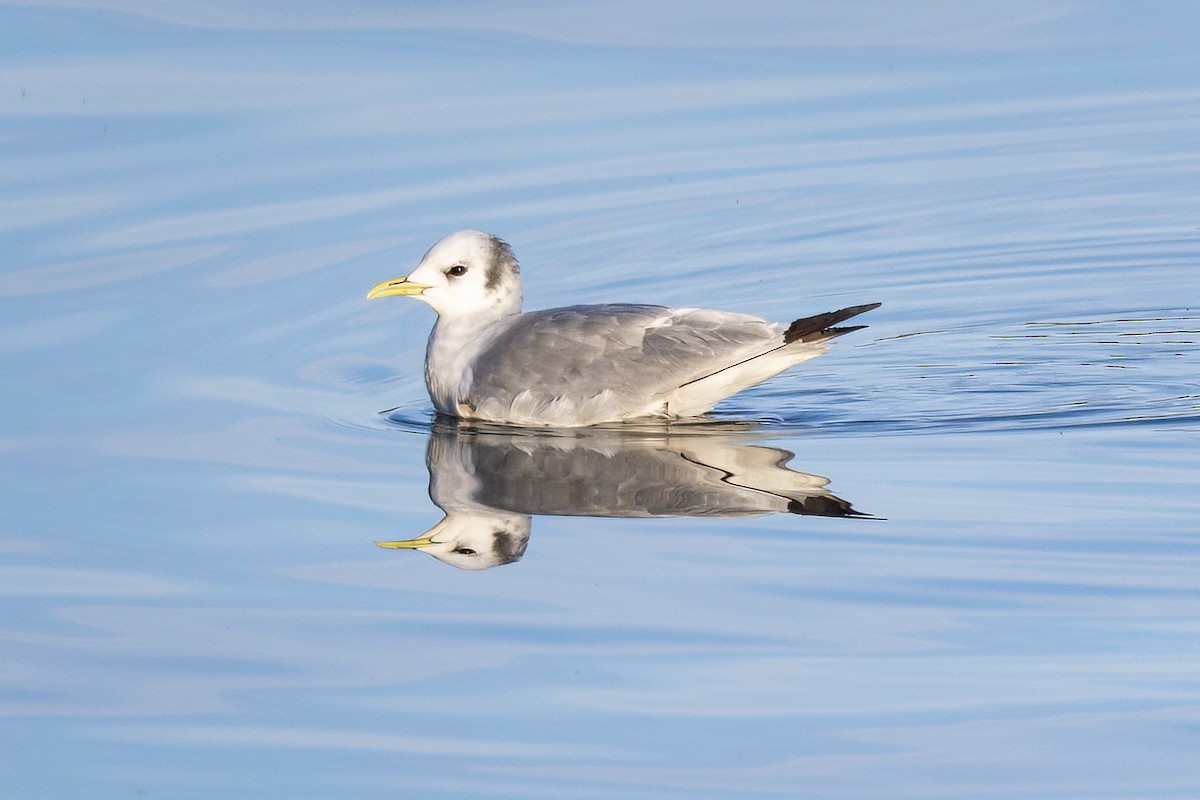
[584, 364]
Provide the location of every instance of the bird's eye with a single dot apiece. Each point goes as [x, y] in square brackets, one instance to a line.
[456, 270]
[466, 551]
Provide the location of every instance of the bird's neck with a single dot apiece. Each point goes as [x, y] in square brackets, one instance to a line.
[471, 325]
[453, 345]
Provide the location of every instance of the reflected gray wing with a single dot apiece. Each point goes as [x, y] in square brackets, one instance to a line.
[611, 474]
[623, 356]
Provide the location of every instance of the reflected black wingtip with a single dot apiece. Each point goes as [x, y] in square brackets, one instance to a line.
[826, 506]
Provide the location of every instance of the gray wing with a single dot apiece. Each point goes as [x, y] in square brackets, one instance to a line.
[606, 361]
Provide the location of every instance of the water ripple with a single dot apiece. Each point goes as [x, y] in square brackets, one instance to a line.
[1043, 374]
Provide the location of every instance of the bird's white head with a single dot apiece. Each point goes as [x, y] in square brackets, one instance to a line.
[469, 273]
[472, 540]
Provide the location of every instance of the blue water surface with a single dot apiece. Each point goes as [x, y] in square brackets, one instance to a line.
[194, 199]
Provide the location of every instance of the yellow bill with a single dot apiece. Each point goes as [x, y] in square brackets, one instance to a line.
[396, 287]
[407, 544]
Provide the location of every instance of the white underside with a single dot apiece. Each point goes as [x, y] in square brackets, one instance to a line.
[702, 395]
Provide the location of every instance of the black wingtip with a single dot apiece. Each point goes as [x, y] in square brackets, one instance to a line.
[826, 506]
[819, 327]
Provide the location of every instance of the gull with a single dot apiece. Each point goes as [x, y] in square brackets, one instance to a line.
[491, 482]
[586, 364]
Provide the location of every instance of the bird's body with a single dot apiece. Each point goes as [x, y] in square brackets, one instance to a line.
[584, 365]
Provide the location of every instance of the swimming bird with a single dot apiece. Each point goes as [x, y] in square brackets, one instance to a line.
[587, 364]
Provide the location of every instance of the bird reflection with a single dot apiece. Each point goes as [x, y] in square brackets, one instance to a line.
[491, 482]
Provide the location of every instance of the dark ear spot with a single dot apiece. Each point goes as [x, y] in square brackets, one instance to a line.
[501, 264]
[508, 546]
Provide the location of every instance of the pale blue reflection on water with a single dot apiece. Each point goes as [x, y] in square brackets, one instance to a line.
[195, 198]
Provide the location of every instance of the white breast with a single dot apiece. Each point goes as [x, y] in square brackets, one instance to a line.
[452, 349]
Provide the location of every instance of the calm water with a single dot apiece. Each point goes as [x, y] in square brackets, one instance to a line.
[989, 582]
